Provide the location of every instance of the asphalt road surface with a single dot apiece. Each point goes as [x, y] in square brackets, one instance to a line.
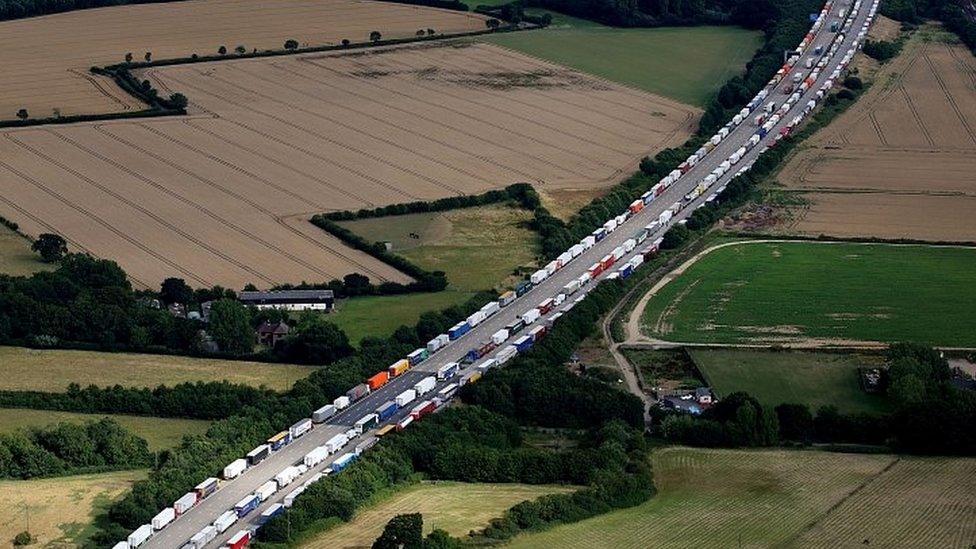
[183, 528]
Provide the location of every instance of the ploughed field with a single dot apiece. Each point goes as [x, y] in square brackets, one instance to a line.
[815, 294]
[901, 163]
[223, 196]
[46, 59]
[786, 498]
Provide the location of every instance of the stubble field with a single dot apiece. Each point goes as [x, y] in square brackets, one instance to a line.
[901, 163]
[223, 196]
[45, 60]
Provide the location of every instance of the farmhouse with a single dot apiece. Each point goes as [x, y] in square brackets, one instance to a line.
[268, 333]
[290, 300]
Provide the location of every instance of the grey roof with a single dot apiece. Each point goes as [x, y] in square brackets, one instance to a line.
[287, 296]
[703, 391]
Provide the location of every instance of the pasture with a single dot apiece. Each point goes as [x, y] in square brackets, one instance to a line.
[379, 316]
[901, 162]
[224, 196]
[478, 248]
[23, 369]
[452, 506]
[816, 294]
[16, 257]
[46, 68]
[687, 64]
[783, 498]
[160, 433]
[813, 379]
[61, 509]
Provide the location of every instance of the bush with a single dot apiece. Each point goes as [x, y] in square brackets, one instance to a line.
[23, 538]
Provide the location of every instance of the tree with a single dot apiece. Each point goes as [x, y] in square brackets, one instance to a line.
[795, 422]
[22, 114]
[420, 32]
[148, 56]
[431, 32]
[315, 341]
[241, 50]
[375, 36]
[493, 23]
[178, 101]
[128, 57]
[402, 532]
[175, 290]
[222, 50]
[345, 42]
[23, 538]
[51, 247]
[230, 327]
[291, 44]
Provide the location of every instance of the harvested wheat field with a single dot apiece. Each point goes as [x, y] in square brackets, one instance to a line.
[901, 163]
[223, 196]
[46, 59]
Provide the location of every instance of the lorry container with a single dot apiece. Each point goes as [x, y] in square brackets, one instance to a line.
[287, 476]
[246, 505]
[316, 456]
[358, 392]
[505, 354]
[537, 333]
[225, 521]
[637, 260]
[551, 268]
[289, 500]
[458, 330]
[625, 271]
[125, 545]
[665, 216]
[140, 535]
[715, 140]
[239, 540]
[206, 487]
[545, 306]
[163, 518]
[629, 245]
[558, 300]
[336, 442]
[266, 490]
[506, 298]
[343, 461]
[234, 469]
[499, 337]
[365, 445]
[386, 410]
[365, 423]
[323, 413]
[486, 365]
[610, 226]
[185, 502]
[425, 385]
[417, 357]
[599, 234]
[378, 380]
[651, 227]
[422, 409]
[204, 536]
[641, 236]
[530, 316]
[622, 217]
[636, 206]
[258, 454]
[538, 276]
[447, 371]
[270, 513]
[647, 197]
[613, 276]
[447, 392]
[470, 378]
[571, 287]
[588, 242]
[595, 270]
[576, 250]
[618, 252]
[406, 397]
[385, 430]
[476, 318]
[606, 261]
[433, 346]
[398, 367]
[522, 287]
[523, 343]
[402, 424]
[300, 427]
[491, 308]
[584, 279]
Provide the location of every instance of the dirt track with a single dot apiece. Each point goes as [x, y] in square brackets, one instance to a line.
[223, 196]
[901, 163]
[45, 60]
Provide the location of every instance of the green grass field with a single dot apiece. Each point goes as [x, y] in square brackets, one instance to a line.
[687, 64]
[379, 316]
[16, 257]
[23, 369]
[452, 506]
[478, 248]
[780, 498]
[62, 510]
[808, 292]
[814, 379]
[159, 432]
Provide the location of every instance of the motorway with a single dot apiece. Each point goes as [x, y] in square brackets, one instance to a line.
[179, 532]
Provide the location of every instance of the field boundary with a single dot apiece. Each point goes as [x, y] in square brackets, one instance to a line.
[636, 339]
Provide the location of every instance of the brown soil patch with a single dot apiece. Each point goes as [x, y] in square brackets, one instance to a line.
[901, 163]
[223, 196]
[45, 60]
[565, 203]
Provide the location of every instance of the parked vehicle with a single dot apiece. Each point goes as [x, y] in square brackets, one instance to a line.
[185, 503]
[206, 488]
[140, 535]
[447, 371]
[365, 423]
[246, 505]
[239, 540]
[258, 454]
[266, 490]
[300, 427]
[323, 413]
[225, 521]
[425, 385]
[234, 469]
[163, 518]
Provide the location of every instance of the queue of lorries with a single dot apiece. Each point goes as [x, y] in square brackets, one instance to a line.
[648, 239]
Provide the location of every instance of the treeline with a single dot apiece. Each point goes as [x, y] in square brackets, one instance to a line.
[657, 13]
[67, 448]
[956, 15]
[18, 9]
[930, 415]
[456, 5]
[519, 193]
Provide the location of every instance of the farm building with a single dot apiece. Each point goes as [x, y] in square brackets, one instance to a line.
[268, 333]
[291, 300]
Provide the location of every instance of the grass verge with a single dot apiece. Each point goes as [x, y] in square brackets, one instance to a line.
[16, 257]
[379, 316]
